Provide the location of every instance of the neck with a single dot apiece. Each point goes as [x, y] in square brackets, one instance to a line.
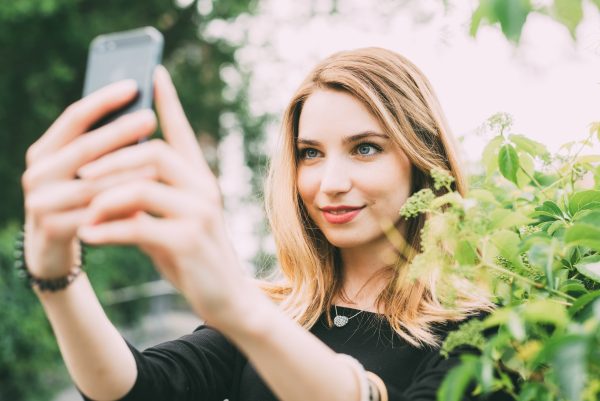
[366, 270]
[365, 275]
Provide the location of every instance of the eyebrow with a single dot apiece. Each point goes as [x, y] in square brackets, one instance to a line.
[348, 139]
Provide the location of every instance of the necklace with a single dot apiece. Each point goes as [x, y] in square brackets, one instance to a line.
[341, 320]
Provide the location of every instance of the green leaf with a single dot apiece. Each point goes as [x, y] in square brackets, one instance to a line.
[456, 381]
[528, 145]
[512, 15]
[507, 242]
[476, 18]
[498, 317]
[583, 234]
[572, 286]
[569, 13]
[483, 196]
[546, 311]
[508, 162]
[490, 155]
[526, 170]
[595, 126]
[591, 270]
[588, 159]
[548, 209]
[466, 253]
[530, 391]
[558, 224]
[587, 216]
[581, 200]
[541, 255]
[590, 267]
[569, 356]
[516, 327]
[583, 301]
[503, 218]
[486, 374]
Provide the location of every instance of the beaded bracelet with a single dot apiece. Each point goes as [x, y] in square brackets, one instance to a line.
[366, 390]
[53, 284]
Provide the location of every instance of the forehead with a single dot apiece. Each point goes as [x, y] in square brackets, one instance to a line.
[330, 113]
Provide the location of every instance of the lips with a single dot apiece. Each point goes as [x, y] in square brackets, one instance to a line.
[340, 214]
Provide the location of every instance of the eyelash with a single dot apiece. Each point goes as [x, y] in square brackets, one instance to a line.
[302, 152]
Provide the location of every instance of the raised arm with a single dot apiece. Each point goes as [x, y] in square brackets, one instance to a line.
[178, 221]
[95, 354]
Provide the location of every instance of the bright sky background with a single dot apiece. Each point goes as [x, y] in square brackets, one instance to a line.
[549, 84]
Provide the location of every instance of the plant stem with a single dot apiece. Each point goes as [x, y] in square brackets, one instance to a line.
[535, 182]
[537, 285]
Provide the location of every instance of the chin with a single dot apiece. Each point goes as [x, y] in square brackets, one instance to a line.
[346, 241]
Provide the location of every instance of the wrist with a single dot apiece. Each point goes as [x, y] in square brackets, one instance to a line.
[247, 316]
[44, 283]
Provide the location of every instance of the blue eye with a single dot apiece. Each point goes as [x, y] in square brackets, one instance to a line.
[364, 149]
[308, 153]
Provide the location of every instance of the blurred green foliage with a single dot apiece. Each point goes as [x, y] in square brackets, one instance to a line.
[512, 15]
[30, 363]
[44, 46]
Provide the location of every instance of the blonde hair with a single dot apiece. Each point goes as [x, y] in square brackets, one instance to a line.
[402, 100]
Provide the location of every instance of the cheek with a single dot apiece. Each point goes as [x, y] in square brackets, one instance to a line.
[308, 186]
[389, 186]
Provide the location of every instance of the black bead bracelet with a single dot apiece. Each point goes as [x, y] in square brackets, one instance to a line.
[53, 284]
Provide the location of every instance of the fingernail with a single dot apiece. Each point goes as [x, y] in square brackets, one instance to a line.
[147, 117]
[163, 74]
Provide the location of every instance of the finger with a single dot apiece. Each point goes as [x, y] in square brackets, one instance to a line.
[62, 225]
[150, 196]
[65, 162]
[62, 196]
[174, 123]
[79, 116]
[140, 229]
[169, 166]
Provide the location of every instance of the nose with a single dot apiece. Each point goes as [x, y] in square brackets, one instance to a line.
[336, 177]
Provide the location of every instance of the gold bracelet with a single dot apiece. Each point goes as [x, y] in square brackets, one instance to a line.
[379, 384]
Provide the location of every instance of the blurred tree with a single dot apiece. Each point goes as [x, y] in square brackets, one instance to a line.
[44, 47]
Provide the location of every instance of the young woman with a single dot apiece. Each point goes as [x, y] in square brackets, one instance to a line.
[359, 137]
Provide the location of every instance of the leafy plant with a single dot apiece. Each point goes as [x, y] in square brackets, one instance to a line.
[529, 229]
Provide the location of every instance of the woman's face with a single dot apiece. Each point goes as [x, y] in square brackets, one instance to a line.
[346, 160]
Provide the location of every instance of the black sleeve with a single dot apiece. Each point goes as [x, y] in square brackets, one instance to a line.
[198, 366]
[428, 378]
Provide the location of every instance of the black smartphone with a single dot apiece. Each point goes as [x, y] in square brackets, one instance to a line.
[121, 55]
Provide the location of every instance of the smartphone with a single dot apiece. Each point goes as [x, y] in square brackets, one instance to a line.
[122, 55]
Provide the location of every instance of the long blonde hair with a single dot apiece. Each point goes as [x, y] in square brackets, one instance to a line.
[402, 100]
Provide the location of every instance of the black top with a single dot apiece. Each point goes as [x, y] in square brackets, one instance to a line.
[205, 366]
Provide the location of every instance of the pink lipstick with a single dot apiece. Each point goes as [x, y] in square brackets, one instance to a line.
[340, 214]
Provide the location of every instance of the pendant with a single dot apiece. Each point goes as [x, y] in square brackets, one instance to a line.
[340, 321]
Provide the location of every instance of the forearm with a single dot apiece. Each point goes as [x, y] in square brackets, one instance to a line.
[98, 359]
[295, 364]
